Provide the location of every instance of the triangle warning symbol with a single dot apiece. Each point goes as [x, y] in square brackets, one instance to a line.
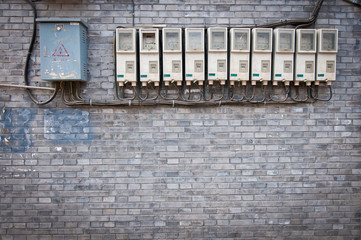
[60, 51]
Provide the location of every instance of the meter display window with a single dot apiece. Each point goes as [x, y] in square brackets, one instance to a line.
[218, 40]
[240, 41]
[149, 41]
[328, 41]
[285, 41]
[195, 40]
[125, 42]
[172, 41]
[263, 40]
[307, 42]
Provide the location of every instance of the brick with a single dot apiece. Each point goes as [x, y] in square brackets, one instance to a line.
[177, 172]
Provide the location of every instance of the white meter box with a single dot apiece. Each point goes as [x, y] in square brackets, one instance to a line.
[305, 56]
[261, 55]
[217, 55]
[283, 55]
[194, 55]
[240, 55]
[326, 55]
[126, 56]
[172, 56]
[149, 56]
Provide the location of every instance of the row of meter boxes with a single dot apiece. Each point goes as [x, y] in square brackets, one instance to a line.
[307, 56]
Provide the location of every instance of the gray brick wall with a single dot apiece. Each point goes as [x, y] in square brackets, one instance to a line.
[255, 171]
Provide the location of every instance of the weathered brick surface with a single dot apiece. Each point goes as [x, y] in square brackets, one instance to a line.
[242, 172]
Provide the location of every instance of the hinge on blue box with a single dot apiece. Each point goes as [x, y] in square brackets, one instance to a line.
[63, 49]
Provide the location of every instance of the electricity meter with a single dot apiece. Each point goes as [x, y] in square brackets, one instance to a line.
[126, 57]
[172, 55]
[63, 47]
[240, 53]
[326, 55]
[261, 55]
[194, 55]
[305, 56]
[149, 56]
[283, 55]
[217, 55]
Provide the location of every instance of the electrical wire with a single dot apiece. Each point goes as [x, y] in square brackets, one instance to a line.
[189, 89]
[354, 2]
[232, 92]
[211, 90]
[296, 98]
[263, 99]
[286, 90]
[133, 12]
[27, 63]
[186, 96]
[316, 95]
[166, 89]
[247, 99]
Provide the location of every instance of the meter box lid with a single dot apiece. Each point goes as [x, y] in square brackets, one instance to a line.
[125, 40]
[284, 40]
[217, 39]
[172, 40]
[306, 40]
[63, 49]
[149, 40]
[327, 40]
[262, 39]
[240, 39]
[194, 39]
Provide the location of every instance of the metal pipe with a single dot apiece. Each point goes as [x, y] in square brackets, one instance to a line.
[27, 87]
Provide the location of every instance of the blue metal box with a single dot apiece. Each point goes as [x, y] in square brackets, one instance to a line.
[63, 49]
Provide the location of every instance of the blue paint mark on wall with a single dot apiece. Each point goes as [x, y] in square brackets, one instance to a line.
[15, 130]
[67, 126]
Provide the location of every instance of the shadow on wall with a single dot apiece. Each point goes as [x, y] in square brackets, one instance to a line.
[15, 129]
[67, 126]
